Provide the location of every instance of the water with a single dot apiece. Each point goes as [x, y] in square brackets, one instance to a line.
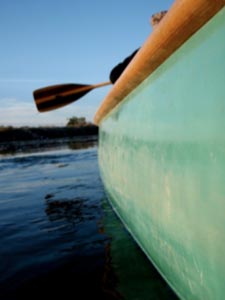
[59, 235]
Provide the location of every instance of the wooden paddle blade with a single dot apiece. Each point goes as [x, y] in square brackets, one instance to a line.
[56, 96]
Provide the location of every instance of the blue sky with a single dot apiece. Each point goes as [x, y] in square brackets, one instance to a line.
[48, 42]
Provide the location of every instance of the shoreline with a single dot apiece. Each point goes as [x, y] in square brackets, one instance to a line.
[14, 140]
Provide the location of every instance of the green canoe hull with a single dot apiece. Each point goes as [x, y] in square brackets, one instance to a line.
[162, 161]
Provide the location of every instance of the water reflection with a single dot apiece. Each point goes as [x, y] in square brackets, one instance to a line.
[61, 236]
[68, 210]
[82, 145]
[19, 147]
[87, 243]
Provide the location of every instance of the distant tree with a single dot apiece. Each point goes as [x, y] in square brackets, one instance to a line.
[76, 121]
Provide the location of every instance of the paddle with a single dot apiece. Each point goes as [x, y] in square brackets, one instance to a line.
[56, 96]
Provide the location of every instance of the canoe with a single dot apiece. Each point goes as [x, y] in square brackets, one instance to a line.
[162, 148]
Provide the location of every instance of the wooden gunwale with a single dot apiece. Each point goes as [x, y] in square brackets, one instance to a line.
[184, 18]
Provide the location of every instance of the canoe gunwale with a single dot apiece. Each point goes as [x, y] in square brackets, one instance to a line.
[179, 24]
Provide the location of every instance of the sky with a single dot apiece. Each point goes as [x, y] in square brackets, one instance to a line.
[49, 42]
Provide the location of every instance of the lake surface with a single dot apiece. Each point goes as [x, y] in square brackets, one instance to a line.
[59, 235]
